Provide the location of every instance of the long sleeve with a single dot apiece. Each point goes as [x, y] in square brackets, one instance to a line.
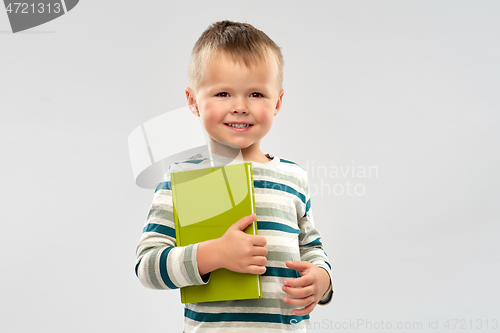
[310, 246]
[160, 264]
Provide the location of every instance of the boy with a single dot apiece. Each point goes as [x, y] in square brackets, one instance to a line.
[235, 79]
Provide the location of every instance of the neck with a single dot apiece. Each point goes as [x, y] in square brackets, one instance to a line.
[252, 153]
[255, 155]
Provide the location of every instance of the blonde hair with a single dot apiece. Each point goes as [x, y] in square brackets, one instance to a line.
[240, 41]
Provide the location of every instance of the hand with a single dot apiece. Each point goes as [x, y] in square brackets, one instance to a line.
[241, 252]
[235, 250]
[307, 290]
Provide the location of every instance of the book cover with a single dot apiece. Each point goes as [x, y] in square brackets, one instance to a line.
[206, 203]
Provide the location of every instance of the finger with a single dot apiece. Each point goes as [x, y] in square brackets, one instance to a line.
[244, 222]
[300, 282]
[306, 310]
[256, 269]
[258, 260]
[259, 240]
[298, 265]
[298, 301]
[259, 251]
[299, 292]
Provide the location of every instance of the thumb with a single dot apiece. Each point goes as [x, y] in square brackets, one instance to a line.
[244, 222]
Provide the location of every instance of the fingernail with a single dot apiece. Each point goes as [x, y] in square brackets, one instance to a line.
[285, 282]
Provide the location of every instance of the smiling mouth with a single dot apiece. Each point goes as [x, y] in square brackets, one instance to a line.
[239, 125]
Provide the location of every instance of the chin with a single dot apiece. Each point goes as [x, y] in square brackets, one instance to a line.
[231, 144]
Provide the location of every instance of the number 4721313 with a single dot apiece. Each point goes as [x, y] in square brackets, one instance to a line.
[25, 8]
[471, 324]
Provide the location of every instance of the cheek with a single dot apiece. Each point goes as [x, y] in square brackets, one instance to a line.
[209, 116]
[266, 123]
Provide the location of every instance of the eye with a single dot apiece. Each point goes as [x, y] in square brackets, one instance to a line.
[256, 94]
[222, 94]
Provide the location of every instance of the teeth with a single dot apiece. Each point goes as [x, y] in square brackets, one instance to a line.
[239, 125]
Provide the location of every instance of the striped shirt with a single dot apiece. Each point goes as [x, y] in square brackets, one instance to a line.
[284, 218]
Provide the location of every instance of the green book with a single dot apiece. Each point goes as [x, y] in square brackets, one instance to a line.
[206, 203]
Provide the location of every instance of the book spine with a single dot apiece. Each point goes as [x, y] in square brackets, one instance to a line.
[177, 225]
[252, 202]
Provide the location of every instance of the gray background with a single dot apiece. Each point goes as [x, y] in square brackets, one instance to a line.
[410, 87]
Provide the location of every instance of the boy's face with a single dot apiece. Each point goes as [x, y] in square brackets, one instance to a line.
[233, 94]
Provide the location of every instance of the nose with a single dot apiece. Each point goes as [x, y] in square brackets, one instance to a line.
[240, 111]
[239, 106]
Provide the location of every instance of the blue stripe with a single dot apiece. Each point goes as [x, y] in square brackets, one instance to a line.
[308, 206]
[326, 262]
[281, 272]
[244, 317]
[192, 161]
[279, 187]
[163, 268]
[314, 242]
[137, 268]
[288, 161]
[261, 225]
[163, 186]
[161, 229]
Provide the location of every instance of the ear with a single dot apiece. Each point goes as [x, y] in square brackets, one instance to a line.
[279, 102]
[191, 101]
